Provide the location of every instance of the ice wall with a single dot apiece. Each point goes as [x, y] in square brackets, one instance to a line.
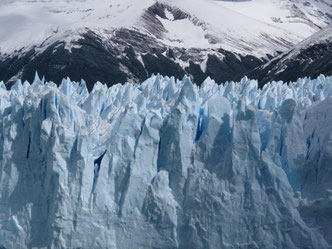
[166, 164]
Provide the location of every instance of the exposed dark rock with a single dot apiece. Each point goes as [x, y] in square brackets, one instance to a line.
[196, 72]
[127, 56]
[163, 65]
[135, 67]
[311, 61]
[151, 22]
[232, 68]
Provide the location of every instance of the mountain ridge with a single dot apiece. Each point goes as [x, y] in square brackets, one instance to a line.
[310, 57]
[171, 38]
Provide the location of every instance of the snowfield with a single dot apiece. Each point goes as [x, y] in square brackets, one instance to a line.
[166, 164]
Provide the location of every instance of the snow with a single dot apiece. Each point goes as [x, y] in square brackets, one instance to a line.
[321, 37]
[302, 18]
[27, 24]
[166, 164]
[184, 33]
[169, 15]
[324, 36]
[242, 34]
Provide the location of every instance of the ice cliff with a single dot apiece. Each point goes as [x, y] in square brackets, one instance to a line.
[166, 164]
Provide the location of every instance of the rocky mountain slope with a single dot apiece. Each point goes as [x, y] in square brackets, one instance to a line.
[117, 41]
[166, 164]
[311, 57]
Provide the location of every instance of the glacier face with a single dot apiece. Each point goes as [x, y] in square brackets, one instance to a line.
[166, 164]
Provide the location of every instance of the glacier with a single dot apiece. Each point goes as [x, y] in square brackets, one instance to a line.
[166, 164]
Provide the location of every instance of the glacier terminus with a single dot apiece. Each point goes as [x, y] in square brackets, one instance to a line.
[166, 164]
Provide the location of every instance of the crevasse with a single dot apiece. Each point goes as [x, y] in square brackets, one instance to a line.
[166, 164]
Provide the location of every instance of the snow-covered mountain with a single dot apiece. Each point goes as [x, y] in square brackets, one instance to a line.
[183, 23]
[129, 40]
[166, 164]
[296, 16]
[311, 57]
